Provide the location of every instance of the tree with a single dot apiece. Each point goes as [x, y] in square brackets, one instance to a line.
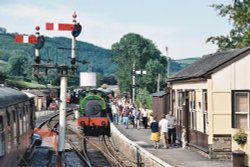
[3, 76]
[153, 68]
[18, 65]
[239, 15]
[133, 50]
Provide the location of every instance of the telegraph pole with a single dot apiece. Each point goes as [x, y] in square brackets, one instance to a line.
[168, 75]
[158, 82]
[133, 82]
[168, 61]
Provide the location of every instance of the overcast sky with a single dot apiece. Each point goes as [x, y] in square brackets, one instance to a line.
[182, 26]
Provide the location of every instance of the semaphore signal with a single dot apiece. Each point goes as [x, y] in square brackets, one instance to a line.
[26, 39]
[59, 27]
[75, 29]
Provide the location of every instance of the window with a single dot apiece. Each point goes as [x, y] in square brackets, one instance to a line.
[15, 127]
[180, 101]
[192, 110]
[241, 110]
[205, 111]
[20, 122]
[9, 132]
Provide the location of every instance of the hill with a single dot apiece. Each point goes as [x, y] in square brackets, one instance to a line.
[177, 65]
[57, 50]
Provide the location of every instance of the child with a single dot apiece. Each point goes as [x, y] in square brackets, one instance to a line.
[155, 135]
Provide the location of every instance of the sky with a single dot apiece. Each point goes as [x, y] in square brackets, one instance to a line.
[180, 26]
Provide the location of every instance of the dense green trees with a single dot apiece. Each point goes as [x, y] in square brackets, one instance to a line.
[239, 15]
[16, 59]
[133, 49]
[18, 66]
[55, 51]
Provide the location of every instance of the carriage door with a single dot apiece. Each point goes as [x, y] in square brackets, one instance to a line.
[2, 137]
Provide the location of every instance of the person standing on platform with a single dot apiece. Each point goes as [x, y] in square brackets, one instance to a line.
[115, 112]
[145, 118]
[125, 116]
[155, 135]
[171, 128]
[163, 124]
[137, 118]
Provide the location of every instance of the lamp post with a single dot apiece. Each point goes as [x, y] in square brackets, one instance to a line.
[168, 74]
[133, 80]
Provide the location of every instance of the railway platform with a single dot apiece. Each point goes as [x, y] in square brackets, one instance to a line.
[175, 156]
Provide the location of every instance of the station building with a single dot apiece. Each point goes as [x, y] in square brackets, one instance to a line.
[211, 99]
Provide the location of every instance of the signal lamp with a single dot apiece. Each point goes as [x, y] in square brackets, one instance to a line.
[76, 30]
[40, 42]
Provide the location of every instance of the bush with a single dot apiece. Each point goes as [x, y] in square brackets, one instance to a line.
[240, 137]
[144, 98]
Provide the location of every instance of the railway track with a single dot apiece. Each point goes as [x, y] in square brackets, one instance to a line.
[92, 150]
[80, 150]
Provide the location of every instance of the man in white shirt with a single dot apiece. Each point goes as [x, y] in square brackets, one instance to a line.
[163, 124]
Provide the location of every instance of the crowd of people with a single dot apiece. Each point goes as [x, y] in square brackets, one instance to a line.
[126, 113]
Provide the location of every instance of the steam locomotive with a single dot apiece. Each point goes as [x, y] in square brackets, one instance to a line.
[95, 111]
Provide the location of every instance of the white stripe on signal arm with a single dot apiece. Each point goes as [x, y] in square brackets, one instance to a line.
[56, 26]
[25, 39]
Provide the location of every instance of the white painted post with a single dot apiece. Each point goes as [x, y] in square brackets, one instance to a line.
[62, 114]
[37, 51]
[73, 51]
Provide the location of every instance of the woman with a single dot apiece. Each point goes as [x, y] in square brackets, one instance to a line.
[155, 135]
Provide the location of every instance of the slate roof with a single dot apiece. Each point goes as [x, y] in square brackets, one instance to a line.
[35, 92]
[10, 97]
[209, 63]
[159, 94]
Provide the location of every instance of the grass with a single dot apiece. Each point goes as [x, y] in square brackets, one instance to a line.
[23, 84]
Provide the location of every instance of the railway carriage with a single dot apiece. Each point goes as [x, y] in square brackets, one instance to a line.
[16, 125]
[94, 113]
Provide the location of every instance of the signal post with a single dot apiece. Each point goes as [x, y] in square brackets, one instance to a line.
[75, 29]
[63, 70]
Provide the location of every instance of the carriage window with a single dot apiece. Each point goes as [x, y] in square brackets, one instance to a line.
[20, 122]
[15, 129]
[1, 137]
[24, 119]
